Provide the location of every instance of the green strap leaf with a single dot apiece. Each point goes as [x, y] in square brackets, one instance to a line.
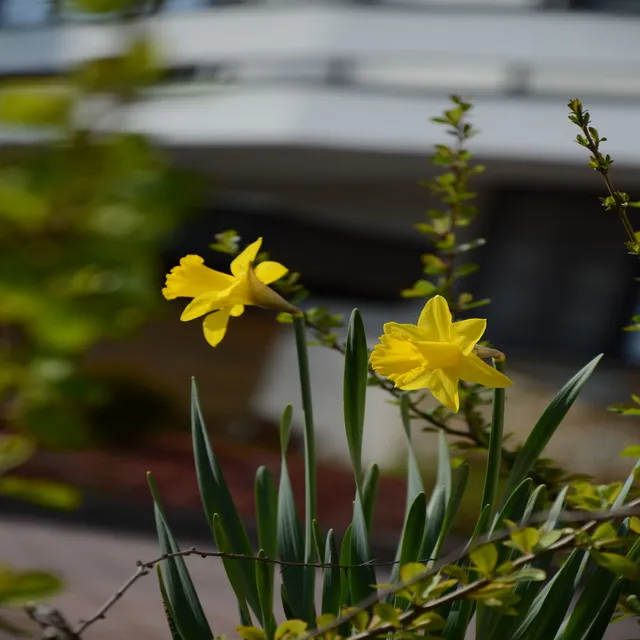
[361, 579]
[267, 520]
[457, 492]
[216, 498]
[494, 455]
[544, 617]
[232, 567]
[290, 537]
[345, 560]
[187, 611]
[369, 494]
[356, 372]
[168, 611]
[414, 477]
[264, 580]
[436, 510]
[331, 578]
[547, 424]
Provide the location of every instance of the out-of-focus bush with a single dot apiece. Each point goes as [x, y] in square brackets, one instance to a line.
[83, 213]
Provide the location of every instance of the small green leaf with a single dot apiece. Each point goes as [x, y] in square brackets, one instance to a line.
[484, 558]
[387, 613]
[36, 106]
[525, 575]
[617, 564]
[291, 629]
[251, 633]
[631, 452]
[21, 587]
[525, 539]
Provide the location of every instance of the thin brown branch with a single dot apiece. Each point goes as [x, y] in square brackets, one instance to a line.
[592, 519]
[144, 568]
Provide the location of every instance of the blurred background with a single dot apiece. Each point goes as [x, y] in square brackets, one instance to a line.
[132, 131]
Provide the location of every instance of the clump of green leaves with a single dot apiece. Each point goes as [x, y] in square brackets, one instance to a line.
[442, 265]
[19, 587]
[617, 201]
[82, 215]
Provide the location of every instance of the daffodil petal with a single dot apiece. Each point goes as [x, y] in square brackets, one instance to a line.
[443, 385]
[237, 310]
[205, 303]
[215, 326]
[473, 369]
[240, 264]
[466, 333]
[268, 271]
[405, 331]
[436, 319]
[192, 278]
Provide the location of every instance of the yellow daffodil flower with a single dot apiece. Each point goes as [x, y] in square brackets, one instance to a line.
[218, 296]
[435, 354]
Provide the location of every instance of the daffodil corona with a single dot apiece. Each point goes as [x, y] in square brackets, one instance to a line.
[435, 354]
[218, 296]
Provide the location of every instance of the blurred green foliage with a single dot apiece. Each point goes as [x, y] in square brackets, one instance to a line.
[83, 213]
[17, 587]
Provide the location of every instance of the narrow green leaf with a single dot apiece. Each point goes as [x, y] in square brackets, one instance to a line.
[436, 510]
[188, 613]
[514, 506]
[458, 620]
[413, 531]
[168, 611]
[285, 429]
[494, 455]
[544, 617]
[626, 487]
[233, 569]
[595, 597]
[602, 619]
[267, 512]
[410, 540]
[547, 424]
[460, 480]
[356, 372]
[443, 478]
[537, 501]
[369, 494]
[290, 537]
[264, 581]
[216, 498]
[502, 626]
[361, 579]
[307, 586]
[331, 578]
[267, 521]
[345, 560]
[318, 539]
[414, 478]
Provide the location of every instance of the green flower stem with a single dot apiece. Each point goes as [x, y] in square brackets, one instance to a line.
[494, 456]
